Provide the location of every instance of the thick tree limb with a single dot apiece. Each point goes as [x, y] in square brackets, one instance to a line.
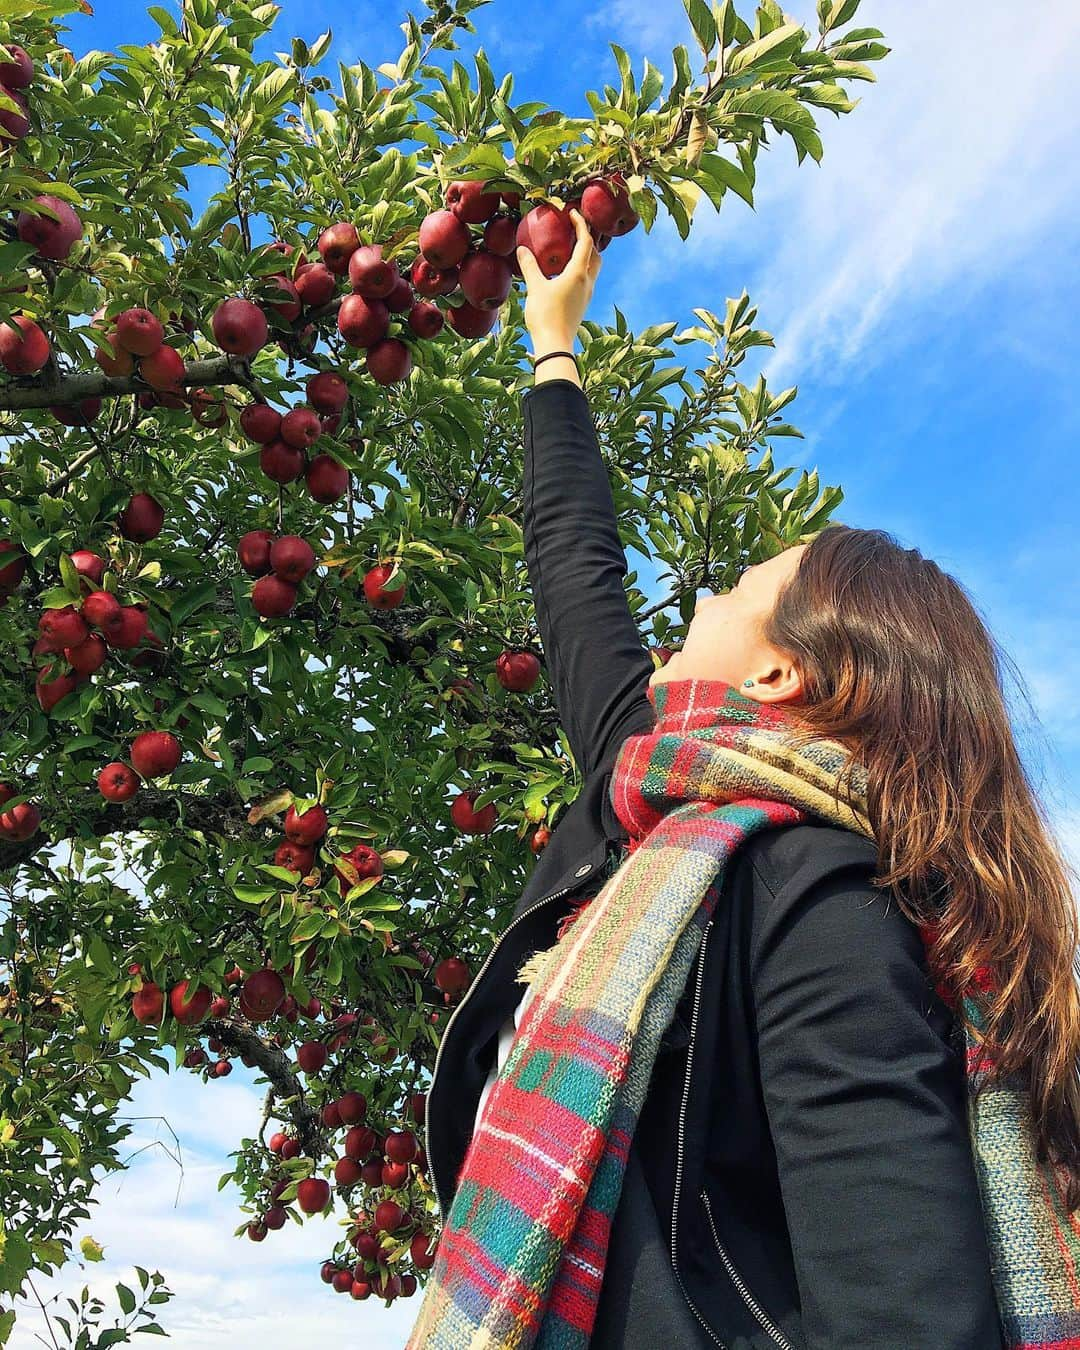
[214, 370]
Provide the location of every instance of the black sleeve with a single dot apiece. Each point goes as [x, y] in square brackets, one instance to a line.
[596, 662]
[865, 1098]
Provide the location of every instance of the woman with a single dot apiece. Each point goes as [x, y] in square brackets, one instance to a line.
[800, 1174]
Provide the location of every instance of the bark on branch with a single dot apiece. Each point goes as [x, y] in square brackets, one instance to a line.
[214, 370]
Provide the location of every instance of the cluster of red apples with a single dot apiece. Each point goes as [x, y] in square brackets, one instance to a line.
[83, 634]
[154, 754]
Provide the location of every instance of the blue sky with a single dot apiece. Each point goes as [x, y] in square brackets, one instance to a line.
[922, 286]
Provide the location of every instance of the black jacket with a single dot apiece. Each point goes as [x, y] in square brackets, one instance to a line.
[801, 1174]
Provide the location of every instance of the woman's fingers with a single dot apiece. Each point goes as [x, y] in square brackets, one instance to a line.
[530, 268]
[584, 247]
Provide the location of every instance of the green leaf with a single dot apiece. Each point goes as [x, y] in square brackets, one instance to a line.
[702, 23]
[193, 600]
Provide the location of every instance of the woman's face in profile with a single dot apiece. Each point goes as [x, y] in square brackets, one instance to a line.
[723, 641]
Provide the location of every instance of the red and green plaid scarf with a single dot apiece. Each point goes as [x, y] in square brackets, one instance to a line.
[520, 1260]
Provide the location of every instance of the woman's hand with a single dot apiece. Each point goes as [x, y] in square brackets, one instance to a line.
[555, 306]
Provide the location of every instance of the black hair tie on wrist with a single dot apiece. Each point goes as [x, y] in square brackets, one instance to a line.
[547, 355]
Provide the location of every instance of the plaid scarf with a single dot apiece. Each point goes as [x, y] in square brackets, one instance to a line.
[520, 1260]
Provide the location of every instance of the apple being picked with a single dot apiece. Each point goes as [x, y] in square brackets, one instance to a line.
[548, 233]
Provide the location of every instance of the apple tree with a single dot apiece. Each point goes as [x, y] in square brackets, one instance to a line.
[278, 748]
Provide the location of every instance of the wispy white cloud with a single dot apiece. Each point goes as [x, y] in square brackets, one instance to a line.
[957, 165]
[230, 1293]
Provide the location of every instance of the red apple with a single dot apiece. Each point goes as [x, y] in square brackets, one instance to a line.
[306, 828]
[296, 857]
[189, 1006]
[517, 671]
[208, 409]
[346, 1172]
[51, 235]
[365, 862]
[327, 392]
[262, 994]
[281, 462]
[485, 279]
[342, 1281]
[90, 655]
[18, 70]
[336, 244]
[101, 609]
[282, 297]
[222, 1069]
[16, 124]
[87, 565]
[313, 1195]
[79, 414]
[155, 753]
[374, 587]
[451, 976]
[326, 479]
[139, 331]
[352, 1108]
[142, 519]
[239, 327]
[362, 322]
[24, 348]
[64, 627]
[500, 233]
[389, 361]
[469, 821]
[129, 629]
[273, 598]
[13, 571]
[291, 557]
[605, 204]
[470, 203]
[275, 1217]
[260, 423]
[253, 550]
[163, 369]
[548, 233]
[430, 280]
[400, 300]
[148, 1004]
[50, 691]
[301, 427]
[18, 823]
[389, 1216]
[312, 1056]
[370, 274]
[426, 320]
[400, 1146]
[315, 284]
[443, 239]
[471, 322]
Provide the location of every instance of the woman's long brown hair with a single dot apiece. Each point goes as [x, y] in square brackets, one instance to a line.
[897, 664]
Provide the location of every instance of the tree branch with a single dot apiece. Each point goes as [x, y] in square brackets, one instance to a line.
[214, 370]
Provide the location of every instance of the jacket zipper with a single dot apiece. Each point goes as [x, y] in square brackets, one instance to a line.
[473, 985]
[682, 1134]
[747, 1298]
